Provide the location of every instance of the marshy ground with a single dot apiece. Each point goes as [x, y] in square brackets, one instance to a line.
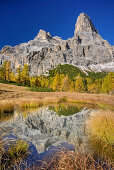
[17, 93]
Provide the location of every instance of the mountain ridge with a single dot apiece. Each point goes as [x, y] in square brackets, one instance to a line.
[86, 50]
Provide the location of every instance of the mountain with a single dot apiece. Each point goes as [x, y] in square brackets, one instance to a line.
[86, 50]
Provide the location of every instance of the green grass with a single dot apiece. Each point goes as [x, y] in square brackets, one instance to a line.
[41, 89]
[13, 83]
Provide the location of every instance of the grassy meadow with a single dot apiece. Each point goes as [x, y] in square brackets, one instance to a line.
[12, 96]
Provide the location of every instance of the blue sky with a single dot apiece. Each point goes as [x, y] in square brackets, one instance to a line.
[20, 20]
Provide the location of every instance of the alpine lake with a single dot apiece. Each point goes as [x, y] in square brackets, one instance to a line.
[49, 128]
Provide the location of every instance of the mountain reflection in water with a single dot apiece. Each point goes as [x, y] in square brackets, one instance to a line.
[47, 127]
[64, 108]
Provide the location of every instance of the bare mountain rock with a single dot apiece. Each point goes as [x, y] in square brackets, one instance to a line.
[43, 35]
[86, 50]
[84, 24]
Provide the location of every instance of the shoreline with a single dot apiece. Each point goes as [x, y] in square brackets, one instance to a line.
[17, 94]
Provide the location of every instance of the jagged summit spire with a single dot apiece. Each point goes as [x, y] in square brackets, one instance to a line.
[84, 24]
[43, 35]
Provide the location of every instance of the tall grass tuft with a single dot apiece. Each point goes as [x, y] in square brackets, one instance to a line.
[30, 104]
[105, 106]
[101, 131]
[15, 154]
[70, 160]
[6, 107]
[18, 150]
[2, 150]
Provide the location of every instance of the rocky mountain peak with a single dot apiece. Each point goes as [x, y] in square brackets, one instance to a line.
[43, 35]
[86, 50]
[84, 24]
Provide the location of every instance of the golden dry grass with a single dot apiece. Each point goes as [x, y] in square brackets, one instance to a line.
[6, 107]
[71, 160]
[2, 150]
[101, 130]
[13, 92]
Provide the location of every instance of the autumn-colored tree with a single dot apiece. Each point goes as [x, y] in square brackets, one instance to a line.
[44, 81]
[79, 84]
[95, 87]
[25, 75]
[108, 83]
[3, 71]
[66, 83]
[51, 82]
[19, 69]
[99, 85]
[56, 84]
[59, 81]
[89, 82]
[85, 84]
[37, 82]
[13, 77]
[32, 81]
[8, 70]
[72, 86]
[62, 76]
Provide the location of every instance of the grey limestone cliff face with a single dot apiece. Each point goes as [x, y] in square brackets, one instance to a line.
[86, 49]
[84, 24]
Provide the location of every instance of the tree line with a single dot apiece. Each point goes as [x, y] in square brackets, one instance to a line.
[57, 82]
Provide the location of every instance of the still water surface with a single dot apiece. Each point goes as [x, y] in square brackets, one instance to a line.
[49, 128]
